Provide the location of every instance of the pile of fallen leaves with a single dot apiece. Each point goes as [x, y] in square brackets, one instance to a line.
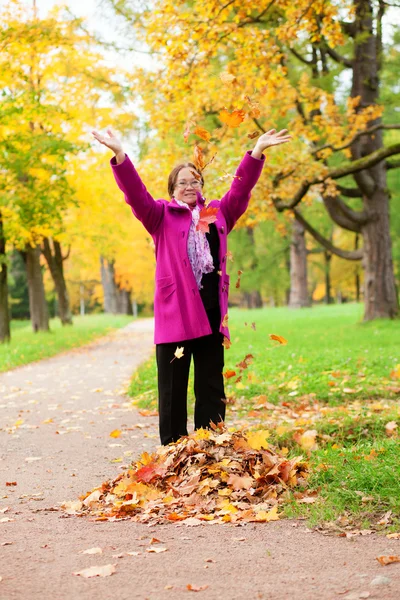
[210, 475]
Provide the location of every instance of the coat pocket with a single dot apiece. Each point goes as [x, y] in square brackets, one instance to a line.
[165, 287]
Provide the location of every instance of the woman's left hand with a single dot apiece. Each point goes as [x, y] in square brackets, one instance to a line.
[270, 138]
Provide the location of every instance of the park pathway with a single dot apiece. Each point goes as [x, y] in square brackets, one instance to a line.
[55, 422]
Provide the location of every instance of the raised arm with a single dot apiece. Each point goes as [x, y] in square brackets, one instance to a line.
[235, 202]
[143, 205]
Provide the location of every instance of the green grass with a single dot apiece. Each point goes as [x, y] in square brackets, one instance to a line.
[333, 360]
[326, 344]
[26, 346]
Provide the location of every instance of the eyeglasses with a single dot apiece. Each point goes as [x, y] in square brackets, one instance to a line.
[185, 184]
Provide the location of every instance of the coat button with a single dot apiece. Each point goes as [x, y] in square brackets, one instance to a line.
[222, 229]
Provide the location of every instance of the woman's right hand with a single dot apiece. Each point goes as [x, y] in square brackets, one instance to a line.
[112, 142]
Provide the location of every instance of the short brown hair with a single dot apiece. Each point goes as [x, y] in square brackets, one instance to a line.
[173, 176]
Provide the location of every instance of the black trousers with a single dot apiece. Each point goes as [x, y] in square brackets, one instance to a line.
[208, 356]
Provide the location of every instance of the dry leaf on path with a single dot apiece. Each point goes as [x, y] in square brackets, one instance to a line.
[156, 549]
[196, 588]
[387, 560]
[92, 551]
[97, 571]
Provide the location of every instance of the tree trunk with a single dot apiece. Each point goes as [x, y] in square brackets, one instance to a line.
[109, 286]
[298, 268]
[55, 261]
[37, 299]
[379, 286]
[5, 334]
[357, 273]
[328, 287]
[124, 306]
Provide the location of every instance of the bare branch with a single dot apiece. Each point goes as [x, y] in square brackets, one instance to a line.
[301, 58]
[346, 62]
[393, 164]
[349, 192]
[347, 254]
[352, 168]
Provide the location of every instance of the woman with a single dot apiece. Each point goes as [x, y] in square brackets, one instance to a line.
[192, 286]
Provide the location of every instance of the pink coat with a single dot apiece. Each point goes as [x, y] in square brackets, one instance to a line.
[178, 309]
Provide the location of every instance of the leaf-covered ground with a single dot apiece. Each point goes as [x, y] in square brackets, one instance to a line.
[207, 476]
[331, 393]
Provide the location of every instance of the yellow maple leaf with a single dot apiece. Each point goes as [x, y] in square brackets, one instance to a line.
[264, 516]
[258, 439]
[116, 433]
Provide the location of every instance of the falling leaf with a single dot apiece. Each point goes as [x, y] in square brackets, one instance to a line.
[240, 273]
[387, 560]
[225, 321]
[187, 131]
[278, 338]
[253, 326]
[229, 373]
[207, 215]
[178, 353]
[255, 110]
[227, 78]
[196, 175]
[97, 571]
[199, 160]
[229, 255]
[253, 135]
[243, 364]
[226, 343]
[233, 119]
[229, 176]
[116, 433]
[202, 133]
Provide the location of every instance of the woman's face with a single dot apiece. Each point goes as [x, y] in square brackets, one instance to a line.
[186, 186]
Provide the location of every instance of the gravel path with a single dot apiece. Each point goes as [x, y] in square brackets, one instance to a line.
[55, 419]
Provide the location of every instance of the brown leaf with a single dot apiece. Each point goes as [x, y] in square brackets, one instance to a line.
[241, 483]
[240, 273]
[253, 136]
[243, 364]
[391, 428]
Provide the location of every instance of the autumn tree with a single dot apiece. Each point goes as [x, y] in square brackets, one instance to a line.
[56, 86]
[277, 64]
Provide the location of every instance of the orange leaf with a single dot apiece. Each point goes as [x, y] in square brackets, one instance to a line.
[245, 362]
[238, 281]
[278, 338]
[225, 321]
[253, 135]
[186, 133]
[202, 133]
[226, 343]
[387, 560]
[229, 373]
[233, 119]
[207, 215]
[196, 588]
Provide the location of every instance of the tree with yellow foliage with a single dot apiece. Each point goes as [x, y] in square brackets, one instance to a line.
[227, 70]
